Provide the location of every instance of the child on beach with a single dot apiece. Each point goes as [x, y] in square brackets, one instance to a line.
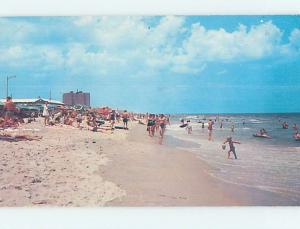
[231, 146]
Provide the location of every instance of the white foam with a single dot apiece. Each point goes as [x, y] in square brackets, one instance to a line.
[272, 165]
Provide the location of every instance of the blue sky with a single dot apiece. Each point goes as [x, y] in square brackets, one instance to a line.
[172, 64]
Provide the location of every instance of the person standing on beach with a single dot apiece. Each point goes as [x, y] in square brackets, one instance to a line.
[118, 117]
[231, 147]
[210, 128]
[46, 113]
[79, 120]
[157, 123]
[112, 119]
[168, 120]
[125, 117]
[151, 125]
[162, 125]
[10, 109]
[221, 125]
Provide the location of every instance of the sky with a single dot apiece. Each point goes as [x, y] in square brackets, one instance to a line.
[161, 64]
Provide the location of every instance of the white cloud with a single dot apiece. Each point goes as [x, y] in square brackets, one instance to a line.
[219, 45]
[292, 49]
[129, 45]
[133, 33]
[14, 52]
[185, 69]
[295, 38]
[14, 31]
[32, 57]
[132, 41]
[12, 55]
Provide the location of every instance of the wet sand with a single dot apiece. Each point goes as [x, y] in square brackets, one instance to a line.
[157, 175]
[72, 167]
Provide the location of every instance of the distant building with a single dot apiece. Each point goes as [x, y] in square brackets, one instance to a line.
[76, 98]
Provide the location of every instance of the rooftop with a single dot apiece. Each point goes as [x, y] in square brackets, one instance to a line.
[33, 101]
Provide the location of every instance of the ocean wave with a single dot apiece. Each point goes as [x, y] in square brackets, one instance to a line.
[291, 194]
[255, 121]
[191, 117]
[186, 138]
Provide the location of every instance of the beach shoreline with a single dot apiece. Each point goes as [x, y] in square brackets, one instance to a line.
[184, 180]
[72, 167]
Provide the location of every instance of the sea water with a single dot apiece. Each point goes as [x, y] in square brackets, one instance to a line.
[267, 164]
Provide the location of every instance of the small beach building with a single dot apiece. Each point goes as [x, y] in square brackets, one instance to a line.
[34, 102]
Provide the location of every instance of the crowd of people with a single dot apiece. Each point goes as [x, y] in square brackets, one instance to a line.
[263, 133]
[157, 123]
[109, 120]
[87, 119]
[91, 119]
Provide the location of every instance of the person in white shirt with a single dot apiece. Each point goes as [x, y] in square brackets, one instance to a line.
[46, 114]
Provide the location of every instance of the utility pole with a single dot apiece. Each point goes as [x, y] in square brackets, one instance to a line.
[7, 79]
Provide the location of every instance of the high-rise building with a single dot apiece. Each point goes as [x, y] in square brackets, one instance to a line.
[76, 98]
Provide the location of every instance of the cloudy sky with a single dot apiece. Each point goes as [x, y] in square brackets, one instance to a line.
[173, 64]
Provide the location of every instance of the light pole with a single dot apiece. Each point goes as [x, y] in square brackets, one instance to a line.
[7, 79]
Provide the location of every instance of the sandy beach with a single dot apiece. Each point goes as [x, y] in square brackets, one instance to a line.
[62, 169]
[72, 167]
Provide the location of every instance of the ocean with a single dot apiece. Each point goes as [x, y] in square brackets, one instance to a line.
[267, 164]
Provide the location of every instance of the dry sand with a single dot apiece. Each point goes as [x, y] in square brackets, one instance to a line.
[62, 169]
[72, 167]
